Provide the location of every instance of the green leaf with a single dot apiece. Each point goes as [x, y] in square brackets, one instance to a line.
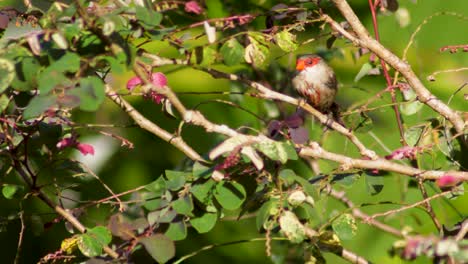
[49, 79]
[374, 183]
[91, 93]
[175, 179]
[201, 171]
[147, 17]
[9, 190]
[286, 41]
[92, 242]
[157, 187]
[290, 150]
[232, 52]
[275, 150]
[308, 187]
[54, 74]
[4, 102]
[38, 105]
[7, 74]
[360, 123]
[412, 135]
[257, 53]
[101, 234]
[60, 40]
[183, 205]
[411, 108]
[27, 72]
[159, 246]
[345, 226]
[165, 215]
[292, 227]
[346, 179]
[70, 62]
[205, 56]
[203, 191]
[177, 231]
[288, 176]
[268, 209]
[204, 223]
[230, 195]
[365, 68]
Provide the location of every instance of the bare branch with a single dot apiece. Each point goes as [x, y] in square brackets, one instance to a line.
[364, 40]
[391, 212]
[144, 123]
[341, 195]
[315, 151]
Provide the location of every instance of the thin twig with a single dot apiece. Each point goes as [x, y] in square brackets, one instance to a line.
[21, 237]
[91, 172]
[341, 195]
[428, 207]
[387, 75]
[151, 127]
[314, 150]
[391, 212]
[364, 40]
[463, 230]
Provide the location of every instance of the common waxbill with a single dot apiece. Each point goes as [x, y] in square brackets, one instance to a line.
[316, 82]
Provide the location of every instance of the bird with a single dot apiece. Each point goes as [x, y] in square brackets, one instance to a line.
[316, 82]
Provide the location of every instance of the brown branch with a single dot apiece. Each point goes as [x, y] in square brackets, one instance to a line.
[315, 151]
[364, 40]
[57, 208]
[387, 76]
[428, 208]
[267, 93]
[20, 239]
[151, 127]
[463, 230]
[341, 196]
[91, 172]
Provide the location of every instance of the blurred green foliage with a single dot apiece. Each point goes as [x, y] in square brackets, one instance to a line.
[150, 157]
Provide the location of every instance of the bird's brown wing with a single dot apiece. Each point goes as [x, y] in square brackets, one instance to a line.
[332, 82]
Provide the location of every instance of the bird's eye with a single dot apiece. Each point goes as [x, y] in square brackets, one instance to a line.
[308, 62]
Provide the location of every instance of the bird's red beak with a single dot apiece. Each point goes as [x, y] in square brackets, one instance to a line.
[300, 65]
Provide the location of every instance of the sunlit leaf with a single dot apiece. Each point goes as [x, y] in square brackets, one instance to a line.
[365, 68]
[9, 190]
[268, 209]
[4, 101]
[286, 41]
[232, 52]
[292, 227]
[345, 226]
[91, 243]
[7, 73]
[257, 52]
